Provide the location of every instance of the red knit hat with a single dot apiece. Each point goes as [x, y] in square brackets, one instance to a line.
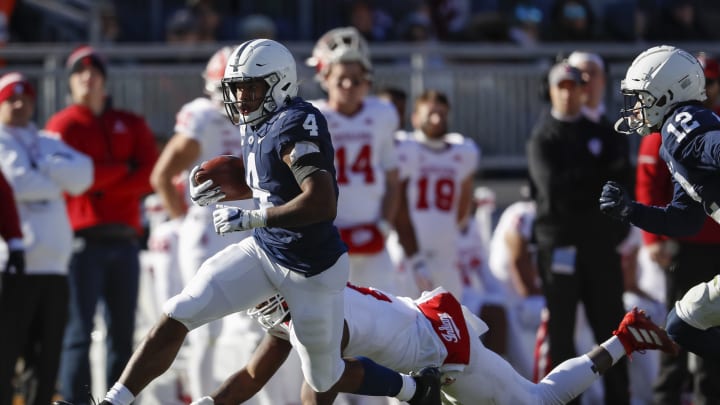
[85, 56]
[14, 83]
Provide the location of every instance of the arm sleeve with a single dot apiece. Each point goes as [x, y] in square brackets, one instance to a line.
[70, 169]
[28, 184]
[653, 182]
[682, 217]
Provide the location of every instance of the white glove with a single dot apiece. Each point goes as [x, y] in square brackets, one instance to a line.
[203, 401]
[420, 272]
[231, 219]
[206, 193]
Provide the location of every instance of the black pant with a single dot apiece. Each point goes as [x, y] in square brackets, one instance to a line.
[33, 312]
[597, 282]
[693, 264]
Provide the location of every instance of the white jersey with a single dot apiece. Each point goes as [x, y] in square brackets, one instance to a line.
[40, 168]
[518, 217]
[435, 178]
[378, 321]
[364, 151]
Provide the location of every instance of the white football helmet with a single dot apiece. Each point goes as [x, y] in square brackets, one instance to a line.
[260, 59]
[214, 73]
[344, 44]
[270, 313]
[658, 79]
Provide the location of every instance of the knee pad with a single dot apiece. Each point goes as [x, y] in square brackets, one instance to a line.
[700, 306]
[184, 309]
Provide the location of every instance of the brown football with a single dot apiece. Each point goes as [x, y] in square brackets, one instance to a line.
[228, 172]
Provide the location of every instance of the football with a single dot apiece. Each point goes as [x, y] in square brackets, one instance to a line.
[228, 172]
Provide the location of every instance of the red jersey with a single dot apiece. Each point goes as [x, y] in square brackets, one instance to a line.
[654, 187]
[10, 221]
[123, 152]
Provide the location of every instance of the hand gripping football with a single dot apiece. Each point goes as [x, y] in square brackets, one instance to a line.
[228, 172]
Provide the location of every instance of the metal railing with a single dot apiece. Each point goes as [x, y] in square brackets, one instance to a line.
[494, 89]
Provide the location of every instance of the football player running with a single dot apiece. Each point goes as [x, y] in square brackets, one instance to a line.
[295, 250]
[202, 131]
[664, 89]
[434, 329]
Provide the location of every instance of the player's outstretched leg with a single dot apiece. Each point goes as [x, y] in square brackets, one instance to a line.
[152, 358]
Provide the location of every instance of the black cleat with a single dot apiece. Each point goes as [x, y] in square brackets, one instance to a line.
[427, 391]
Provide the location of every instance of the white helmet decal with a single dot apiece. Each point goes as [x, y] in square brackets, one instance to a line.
[214, 73]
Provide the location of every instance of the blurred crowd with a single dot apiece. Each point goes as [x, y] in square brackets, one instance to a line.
[523, 22]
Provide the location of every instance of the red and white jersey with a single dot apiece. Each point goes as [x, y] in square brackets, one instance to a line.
[364, 151]
[203, 121]
[398, 332]
[518, 217]
[435, 176]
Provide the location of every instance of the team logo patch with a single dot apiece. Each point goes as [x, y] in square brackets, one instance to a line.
[445, 314]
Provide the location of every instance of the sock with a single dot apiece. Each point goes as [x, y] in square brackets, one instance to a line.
[379, 381]
[615, 348]
[408, 388]
[119, 395]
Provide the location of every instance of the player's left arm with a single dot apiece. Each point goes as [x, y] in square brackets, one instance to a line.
[682, 217]
[270, 354]
[317, 201]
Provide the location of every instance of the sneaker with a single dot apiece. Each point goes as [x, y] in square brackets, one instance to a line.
[427, 391]
[638, 333]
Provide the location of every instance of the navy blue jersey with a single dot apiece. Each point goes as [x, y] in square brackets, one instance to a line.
[691, 149]
[308, 249]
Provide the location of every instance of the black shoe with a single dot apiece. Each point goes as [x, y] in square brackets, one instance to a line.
[427, 391]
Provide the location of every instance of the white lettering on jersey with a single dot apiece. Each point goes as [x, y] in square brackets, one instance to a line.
[449, 331]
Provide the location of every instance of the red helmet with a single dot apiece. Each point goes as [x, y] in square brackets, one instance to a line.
[214, 72]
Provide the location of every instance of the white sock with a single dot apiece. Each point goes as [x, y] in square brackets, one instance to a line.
[119, 395]
[615, 348]
[408, 388]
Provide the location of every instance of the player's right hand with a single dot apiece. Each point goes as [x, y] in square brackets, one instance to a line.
[205, 193]
[615, 202]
